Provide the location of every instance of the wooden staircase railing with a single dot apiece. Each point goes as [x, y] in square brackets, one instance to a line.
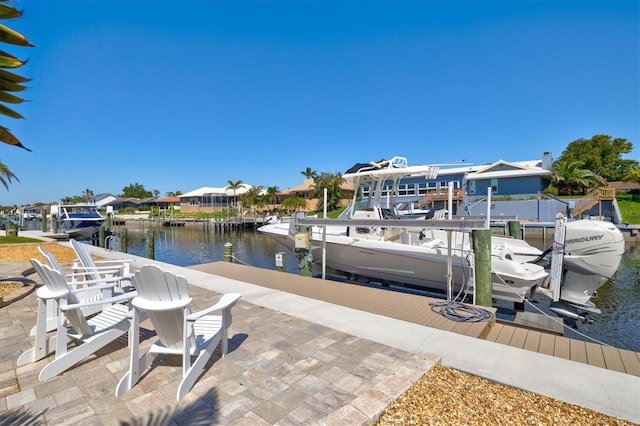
[593, 198]
[443, 195]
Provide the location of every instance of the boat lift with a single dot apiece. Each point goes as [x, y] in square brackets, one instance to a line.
[462, 224]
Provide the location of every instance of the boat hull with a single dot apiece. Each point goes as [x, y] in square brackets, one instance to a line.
[415, 265]
[81, 232]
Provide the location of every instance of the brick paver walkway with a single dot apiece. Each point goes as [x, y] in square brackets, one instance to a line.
[280, 370]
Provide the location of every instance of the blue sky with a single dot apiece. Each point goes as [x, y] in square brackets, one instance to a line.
[176, 95]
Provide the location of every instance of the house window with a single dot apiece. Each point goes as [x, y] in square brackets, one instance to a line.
[472, 187]
[494, 186]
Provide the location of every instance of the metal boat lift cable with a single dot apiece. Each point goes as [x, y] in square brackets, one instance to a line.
[455, 310]
[233, 256]
[460, 312]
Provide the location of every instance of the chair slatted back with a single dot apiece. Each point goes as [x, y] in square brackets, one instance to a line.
[154, 284]
[56, 281]
[51, 259]
[85, 259]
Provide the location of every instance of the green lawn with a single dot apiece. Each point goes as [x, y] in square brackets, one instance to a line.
[17, 240]
[630, 208]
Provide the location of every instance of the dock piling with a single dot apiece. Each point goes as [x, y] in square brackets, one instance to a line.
[150, 244]
[515, 231]
[228, 252]
[123, 240]
[482, 250]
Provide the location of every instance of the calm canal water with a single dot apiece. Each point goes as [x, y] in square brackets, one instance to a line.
[619, 299]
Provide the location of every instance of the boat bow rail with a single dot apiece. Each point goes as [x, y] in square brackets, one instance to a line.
[462, 224]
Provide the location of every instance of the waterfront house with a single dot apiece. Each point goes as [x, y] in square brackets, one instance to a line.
[307, 191]
[508, 179]
[102, 200]
[210, 199]
[168, 203]
[132, 203]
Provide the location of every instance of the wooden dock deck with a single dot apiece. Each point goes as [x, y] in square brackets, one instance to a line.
[416, 309]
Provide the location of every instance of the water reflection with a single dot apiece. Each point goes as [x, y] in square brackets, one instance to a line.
[619, 300]
[194, 245]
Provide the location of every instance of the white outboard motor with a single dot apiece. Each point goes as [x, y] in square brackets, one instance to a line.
[593, 250]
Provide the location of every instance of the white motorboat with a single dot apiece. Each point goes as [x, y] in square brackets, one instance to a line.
[413, 258]
[426, 256]
[78, 220]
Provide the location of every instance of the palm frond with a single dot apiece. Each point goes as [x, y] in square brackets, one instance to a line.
[8, 12]
[9, 98]
[7, 137]
[6, 175]
[10, 86]
[9, 81]
[9, 112]
[9, 36]
[12, 77]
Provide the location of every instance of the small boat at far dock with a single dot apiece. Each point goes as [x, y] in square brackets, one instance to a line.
[78, 220]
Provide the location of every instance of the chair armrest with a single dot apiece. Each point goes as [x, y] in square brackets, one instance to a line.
[113, 261]
[45, 293]
[111, 300]
[159, 305]
[96, 284]
[225, 302]
[89, 272]
[95, 269]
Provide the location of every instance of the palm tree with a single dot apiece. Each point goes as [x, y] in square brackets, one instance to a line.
[10, 82]
[234, 186]
[294, 203]
[87, 194]
[271, 197]
[309, 173]
[568, 175]
[6, 175]
[251, 197]
[332, 182]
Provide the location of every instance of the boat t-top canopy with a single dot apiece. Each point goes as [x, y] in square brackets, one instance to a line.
[375, 175]
[394, 169]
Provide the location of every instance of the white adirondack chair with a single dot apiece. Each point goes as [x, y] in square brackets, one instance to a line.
[104, 292]
[165, 298]
[89, 335]
[100, 268]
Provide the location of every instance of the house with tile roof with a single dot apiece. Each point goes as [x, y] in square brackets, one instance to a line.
[307, 191]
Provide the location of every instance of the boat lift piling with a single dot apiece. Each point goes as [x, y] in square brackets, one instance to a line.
[481, 239]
